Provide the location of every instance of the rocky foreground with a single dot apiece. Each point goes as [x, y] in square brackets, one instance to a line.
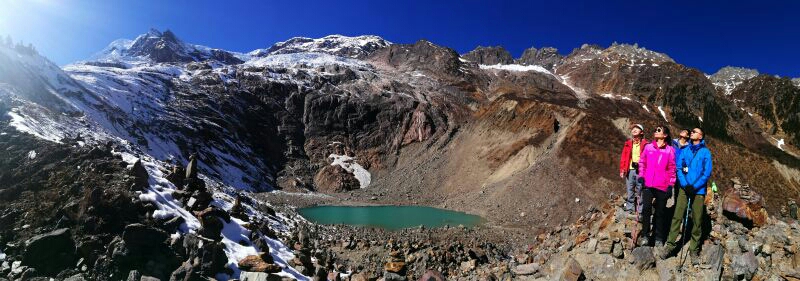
[748, 245]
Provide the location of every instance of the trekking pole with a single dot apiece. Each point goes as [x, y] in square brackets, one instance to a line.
[635, 231]
[683, 236]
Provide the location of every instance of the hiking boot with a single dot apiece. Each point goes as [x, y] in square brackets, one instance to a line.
[665, 252]
[659, 243]
[643, 241]
[694, 257]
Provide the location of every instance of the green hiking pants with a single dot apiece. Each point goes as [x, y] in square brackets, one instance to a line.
[698, 209]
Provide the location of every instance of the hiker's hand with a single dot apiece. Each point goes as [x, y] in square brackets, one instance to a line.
[689, 190]
[622, 175]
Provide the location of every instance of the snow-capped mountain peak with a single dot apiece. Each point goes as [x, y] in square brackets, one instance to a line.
[727, 78]
[338, 45]
[161, 47]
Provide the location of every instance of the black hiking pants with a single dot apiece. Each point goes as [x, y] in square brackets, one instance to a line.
[654, 199]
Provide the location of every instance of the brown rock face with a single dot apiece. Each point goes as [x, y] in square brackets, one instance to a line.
[334, 178]
[745, 204]
[420, 128]
[256, 264]
[395, 266]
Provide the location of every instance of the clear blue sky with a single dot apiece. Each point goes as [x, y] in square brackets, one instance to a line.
[760, 34]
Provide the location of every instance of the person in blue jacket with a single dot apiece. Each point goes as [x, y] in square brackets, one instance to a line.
[694, 167]
[678, 144]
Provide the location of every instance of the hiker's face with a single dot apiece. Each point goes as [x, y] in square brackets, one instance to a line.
[659, 133]
[636, 131]
[684, 134]
[696, 134]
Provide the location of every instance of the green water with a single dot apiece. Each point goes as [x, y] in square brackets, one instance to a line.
[388, 217]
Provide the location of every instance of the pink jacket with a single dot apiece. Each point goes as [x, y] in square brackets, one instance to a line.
[657, 166]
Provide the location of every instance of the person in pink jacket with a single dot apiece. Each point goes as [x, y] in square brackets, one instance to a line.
[657, 170]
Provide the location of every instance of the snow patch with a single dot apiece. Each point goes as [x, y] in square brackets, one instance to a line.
[663, 114]
[645, 107]
[349, 164]
[779, 143]
[32, 154]
[517, 67]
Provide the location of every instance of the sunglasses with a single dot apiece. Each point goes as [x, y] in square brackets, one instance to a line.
[659, 130]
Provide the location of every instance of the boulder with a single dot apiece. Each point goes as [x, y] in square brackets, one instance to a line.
[256, 264]
[605, 246]
[77, 277]
[134, 275]
[177, 176]
[745, 265]
[432, 275]
[572, 271]
[335, 178]
[184, 272]
[713, 256]
[258, 276]
[526, 269]
[395, 266]
[391, 276]
[51, 252]
[361, 277]
[212, 258]
[746, 205]
[643, 258]
[138, 235]
[139, 173]
[617, 251]
[211, 222]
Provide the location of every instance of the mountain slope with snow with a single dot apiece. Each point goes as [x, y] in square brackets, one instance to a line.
[338, 45]
[727, 78]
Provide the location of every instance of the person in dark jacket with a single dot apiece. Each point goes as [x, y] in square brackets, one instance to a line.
[693, 171]
[629, 166]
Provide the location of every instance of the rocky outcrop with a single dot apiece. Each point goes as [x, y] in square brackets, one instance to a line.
[334, 178]
[422, 55]
[489, 55]
[547, 57]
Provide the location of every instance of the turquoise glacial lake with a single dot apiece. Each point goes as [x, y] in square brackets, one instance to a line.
[389, 217]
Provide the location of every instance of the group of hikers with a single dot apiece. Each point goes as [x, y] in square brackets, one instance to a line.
[661, 174]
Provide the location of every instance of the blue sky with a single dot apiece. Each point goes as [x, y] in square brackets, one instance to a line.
[761, 35]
